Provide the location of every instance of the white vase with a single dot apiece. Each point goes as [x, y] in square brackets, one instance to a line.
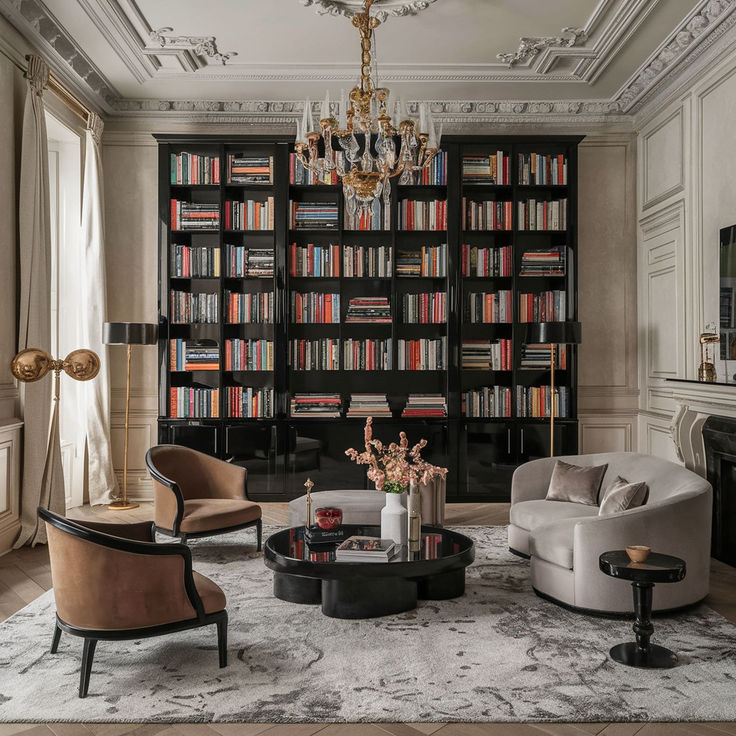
[394, 518]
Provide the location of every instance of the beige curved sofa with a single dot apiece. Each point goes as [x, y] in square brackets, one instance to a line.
[564, 540]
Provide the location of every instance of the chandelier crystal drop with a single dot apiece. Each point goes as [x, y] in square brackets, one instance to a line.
[365, 147]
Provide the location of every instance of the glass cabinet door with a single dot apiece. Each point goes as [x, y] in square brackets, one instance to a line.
[534, 440]
[253, 446]
[487, 460]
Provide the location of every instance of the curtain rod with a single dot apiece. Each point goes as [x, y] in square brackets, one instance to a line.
[56, 86]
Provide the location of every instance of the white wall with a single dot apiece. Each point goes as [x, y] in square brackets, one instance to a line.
[608, 402]
[686, 194]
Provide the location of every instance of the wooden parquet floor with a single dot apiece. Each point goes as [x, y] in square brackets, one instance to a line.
[25, 574]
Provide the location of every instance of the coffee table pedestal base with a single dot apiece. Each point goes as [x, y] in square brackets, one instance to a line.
[368, 597]
[653, 657]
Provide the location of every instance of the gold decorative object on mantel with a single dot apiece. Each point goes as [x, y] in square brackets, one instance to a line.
[707, 368]
[309, 484]
[375, 148]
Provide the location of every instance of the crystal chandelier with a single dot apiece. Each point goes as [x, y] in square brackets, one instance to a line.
[370, 149]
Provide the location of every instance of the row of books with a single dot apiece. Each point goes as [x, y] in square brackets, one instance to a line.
[315, 307]
[547, 262]
[422, 215]
[486, 262]
[430, 261]
[245, 262]
[535, 168]
[493, 355]
[248, 355]
[488, 401]
[491, 168]
[252, 214]
[194, 215]
[313, 216]
[196, 262]
[194, 168]
[369, 309]
[321, 354]
[186, 401]
[367, 261]
[424, 308]
[487, 215]
[368, 405]
[194, 307]
[367, 355]
[538, 401]
[194, 355]
[425, 405]
[490, 307]
[545, 214]
[302, 176]
[435, 174]
[249, 308]
[314, 260]
[249, 402]
[375, 217]
[243, 169]
[547, 306]
[537, 357]
[425, 354]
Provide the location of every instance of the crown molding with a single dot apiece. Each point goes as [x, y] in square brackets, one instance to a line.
[699, 30]
[531, 47]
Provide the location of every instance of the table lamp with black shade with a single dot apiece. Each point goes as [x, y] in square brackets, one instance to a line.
[552, 334]
[129, 334]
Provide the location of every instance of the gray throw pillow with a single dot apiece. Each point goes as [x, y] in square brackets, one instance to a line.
[622, 495]
[575, 484]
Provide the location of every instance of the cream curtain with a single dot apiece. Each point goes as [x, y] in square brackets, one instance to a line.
[41, 485]
[101, 477]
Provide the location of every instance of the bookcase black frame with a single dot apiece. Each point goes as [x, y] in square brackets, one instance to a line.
[280, 452]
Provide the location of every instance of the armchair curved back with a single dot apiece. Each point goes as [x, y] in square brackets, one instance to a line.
[180, 474]
[104, 582]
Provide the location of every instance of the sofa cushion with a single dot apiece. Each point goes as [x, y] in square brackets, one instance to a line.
[622, 495]
[554, 542]
[575, 483]
[531, 514]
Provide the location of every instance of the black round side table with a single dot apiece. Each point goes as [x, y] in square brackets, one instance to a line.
[643, 575]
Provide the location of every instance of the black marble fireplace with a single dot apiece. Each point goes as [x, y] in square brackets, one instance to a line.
[719, 437]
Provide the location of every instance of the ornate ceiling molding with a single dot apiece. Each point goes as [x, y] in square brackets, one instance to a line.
[529, 48]
[708, 21]
[166, 41]
[382, 8]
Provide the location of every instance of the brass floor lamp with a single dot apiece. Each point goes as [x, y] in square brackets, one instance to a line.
[553, 334]
[128, 334]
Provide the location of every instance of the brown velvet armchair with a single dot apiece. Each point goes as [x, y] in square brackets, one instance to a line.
[196, 495]
[113, 582]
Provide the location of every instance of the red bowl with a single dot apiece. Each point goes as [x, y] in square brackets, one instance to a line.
[328, 518]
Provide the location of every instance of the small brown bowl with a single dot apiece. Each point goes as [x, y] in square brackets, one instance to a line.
[638, 552]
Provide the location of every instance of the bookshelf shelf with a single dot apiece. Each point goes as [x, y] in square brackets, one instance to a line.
[306, 444]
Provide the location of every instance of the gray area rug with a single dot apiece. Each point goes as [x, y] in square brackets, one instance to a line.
[497, 654]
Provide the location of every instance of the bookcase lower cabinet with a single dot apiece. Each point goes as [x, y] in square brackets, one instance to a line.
[490, 452]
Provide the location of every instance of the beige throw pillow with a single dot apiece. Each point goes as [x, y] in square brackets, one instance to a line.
[622, 495]
[575, 484]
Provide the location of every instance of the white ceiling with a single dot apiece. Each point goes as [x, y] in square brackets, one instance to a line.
[286, 51]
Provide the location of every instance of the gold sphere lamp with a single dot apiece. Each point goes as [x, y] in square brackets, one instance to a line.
[553, 334]
[128, 334]
[32, 364]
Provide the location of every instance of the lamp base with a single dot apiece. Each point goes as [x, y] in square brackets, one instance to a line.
[120, 506]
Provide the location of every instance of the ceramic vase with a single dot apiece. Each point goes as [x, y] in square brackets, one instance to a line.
[394, 522]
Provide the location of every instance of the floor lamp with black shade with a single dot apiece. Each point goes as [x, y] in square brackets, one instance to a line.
[128, 334]
[552, 334]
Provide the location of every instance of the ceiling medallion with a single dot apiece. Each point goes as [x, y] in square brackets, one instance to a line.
[384, 8]
[530, 47]
[369, 148]
[200, 45]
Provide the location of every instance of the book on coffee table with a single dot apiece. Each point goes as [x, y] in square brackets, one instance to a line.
[368, 549]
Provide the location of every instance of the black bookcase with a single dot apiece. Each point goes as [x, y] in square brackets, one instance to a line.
[280, 450]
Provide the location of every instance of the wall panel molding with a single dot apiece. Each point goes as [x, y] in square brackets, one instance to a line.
[663, 164]
[10, 460]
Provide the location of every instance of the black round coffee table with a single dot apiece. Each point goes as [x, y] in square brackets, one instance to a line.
[304, 574]
[643, 575]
